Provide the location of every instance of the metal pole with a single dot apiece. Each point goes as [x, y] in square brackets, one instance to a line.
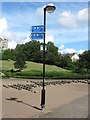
[43, 90]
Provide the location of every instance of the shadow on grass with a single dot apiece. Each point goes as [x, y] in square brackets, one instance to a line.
[19, 101]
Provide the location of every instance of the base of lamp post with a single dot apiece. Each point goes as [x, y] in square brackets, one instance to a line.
[42, 99]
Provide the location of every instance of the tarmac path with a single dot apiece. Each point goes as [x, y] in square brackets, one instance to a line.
[62, 101]
[76, 109]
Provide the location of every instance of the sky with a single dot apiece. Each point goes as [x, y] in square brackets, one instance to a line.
[66, 27]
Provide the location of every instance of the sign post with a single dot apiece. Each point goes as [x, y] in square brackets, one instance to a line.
[38, 32]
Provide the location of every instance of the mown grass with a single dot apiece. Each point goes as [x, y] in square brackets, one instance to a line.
[35, 71]
[8, 65]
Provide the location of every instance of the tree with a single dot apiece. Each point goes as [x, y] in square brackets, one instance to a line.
[51, 53]
[37, 57]
[9, 54]
[65, 62]
[20, 61]
[84, 61]
[50, 58]
[52, 48]
[31, 48]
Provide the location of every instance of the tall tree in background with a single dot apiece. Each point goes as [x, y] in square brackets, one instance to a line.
[9, 54]
[51, 54]
[20, 61]
[65, 61]
[31, 48]
[84, 61]
[51, 48]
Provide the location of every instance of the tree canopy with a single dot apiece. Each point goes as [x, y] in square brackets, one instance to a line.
[84, 61]
[20, 61]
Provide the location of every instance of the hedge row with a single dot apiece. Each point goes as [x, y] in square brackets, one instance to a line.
[48, 75]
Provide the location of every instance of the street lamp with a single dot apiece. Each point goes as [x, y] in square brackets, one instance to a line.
[50, 9]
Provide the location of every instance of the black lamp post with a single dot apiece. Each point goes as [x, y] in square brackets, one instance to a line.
[50, 9]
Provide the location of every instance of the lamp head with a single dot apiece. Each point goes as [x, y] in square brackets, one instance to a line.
[50, 8]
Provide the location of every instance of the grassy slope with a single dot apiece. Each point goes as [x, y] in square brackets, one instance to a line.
[8, 65]
[34, 70]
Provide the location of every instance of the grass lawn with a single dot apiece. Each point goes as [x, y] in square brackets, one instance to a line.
[34, 70]
[39, 66]
[8, 65]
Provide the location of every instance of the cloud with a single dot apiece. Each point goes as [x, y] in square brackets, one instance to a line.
[70, 20]
[49, 38]
[12, 37]
[68, 50]
[4, 33]
[12, 44]
[71, 27]
[3, 25]
[67, 19]
[61, 47]
[15, 38]
[39, 11]
[80, 51]
[27, 39]
[82, 15]
[63, 50]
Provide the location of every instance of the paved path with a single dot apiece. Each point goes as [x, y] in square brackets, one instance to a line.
[61, 101]
[75, 109]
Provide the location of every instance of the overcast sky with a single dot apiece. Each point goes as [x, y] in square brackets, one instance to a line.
[67, 27]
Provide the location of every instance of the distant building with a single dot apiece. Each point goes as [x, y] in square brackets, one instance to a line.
[3, 44]
[74, 56]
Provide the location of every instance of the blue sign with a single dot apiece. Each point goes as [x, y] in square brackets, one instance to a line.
[35, 36]
[37, 29]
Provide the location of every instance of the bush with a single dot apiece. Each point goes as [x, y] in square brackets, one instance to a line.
[33, 74]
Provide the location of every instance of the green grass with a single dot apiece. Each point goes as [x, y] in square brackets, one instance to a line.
[8, 65]
[48, 75]
[34, 70]
[39, 66]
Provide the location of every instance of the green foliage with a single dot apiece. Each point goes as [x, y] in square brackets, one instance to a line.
[9, 54]
[50, 58]
[51, 54]
[37, 57]
[34, 70]
[83, 64]
[51, 48]
[49, 75]
[64, 62]
[84, 61]
[31, 48]
[32, 52]
[20, 61]
[8, 65]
